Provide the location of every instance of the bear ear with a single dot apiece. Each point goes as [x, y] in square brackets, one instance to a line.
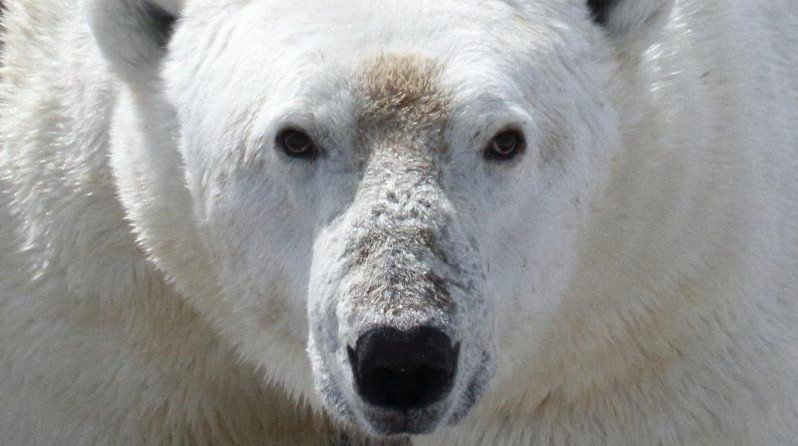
[626, 17]
[133, 34]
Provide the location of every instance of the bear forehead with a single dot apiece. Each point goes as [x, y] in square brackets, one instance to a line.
[401, 98]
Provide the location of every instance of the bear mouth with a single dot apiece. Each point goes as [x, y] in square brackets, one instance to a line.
[405, 422]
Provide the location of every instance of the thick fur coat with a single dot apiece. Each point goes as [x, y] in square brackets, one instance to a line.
[171, 274]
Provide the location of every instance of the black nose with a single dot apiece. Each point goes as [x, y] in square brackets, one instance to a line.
[400, 370]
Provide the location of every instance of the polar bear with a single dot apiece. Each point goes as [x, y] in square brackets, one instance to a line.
[460, 222]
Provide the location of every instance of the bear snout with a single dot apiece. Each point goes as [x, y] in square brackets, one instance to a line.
[403, 369]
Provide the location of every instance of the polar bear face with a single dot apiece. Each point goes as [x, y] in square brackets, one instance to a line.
[396, 190]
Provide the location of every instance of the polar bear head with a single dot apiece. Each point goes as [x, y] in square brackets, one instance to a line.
[378, 203]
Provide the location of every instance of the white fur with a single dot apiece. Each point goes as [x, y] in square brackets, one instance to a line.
[168, 277]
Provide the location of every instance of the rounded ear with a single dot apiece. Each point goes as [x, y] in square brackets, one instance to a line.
[133, 34]
[622, 18]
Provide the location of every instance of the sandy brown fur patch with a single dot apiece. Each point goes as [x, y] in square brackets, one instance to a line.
[402, 99]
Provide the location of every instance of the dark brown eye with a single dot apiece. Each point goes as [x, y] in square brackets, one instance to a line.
[505, 145]
[296, 144]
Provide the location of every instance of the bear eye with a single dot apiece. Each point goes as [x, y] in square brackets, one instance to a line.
[296, 144]
[505, 145]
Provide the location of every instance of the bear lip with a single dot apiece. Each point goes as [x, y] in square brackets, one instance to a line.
[405, 422]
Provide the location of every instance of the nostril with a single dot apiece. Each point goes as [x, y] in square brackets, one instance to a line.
[403, 369]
